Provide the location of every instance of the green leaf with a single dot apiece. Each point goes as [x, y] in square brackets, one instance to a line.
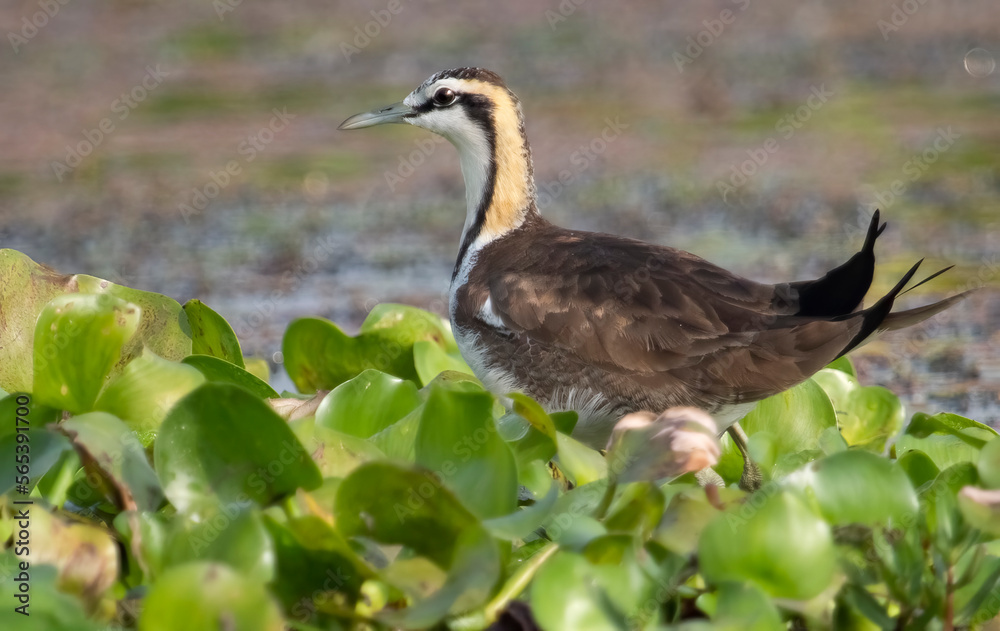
[163, 328]
[413, 508]
[110, 449]
[258, 367]
[746, 606]
[19, 410]
[233, 534]
[868, 416]
[918, 467]
[565, 596]
[947, 439]
[222, 444]
[86, 555]
[988, 465]
[78, 340]
[318, 355]
[367, 404]
[844, 365]
[312, 559]
[786, 423]
[222, 371]
[857, 487]
[525, 520]
[206, 596]
[581, 464]
[211, 334]
[50, 609]
[754, 542]
[458, 439]
[25, 288]
[146, 390]
[335, 453]
[430, 360]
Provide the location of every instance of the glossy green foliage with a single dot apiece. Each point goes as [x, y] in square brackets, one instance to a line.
[169, 480]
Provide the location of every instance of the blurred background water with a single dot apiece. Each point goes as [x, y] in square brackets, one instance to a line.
[190, 148]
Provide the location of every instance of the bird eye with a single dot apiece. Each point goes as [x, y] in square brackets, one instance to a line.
[444, 96]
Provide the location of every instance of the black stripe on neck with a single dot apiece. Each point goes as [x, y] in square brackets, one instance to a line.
[480, 110]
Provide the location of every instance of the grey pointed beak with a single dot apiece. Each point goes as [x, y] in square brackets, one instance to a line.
[395, 113]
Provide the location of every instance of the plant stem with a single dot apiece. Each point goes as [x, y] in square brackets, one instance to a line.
[949, 600]
[510, 590]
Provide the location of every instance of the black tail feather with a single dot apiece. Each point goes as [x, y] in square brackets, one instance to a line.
[842, 289]
[877, 313]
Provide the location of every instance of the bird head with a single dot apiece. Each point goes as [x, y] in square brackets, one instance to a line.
[465, 105]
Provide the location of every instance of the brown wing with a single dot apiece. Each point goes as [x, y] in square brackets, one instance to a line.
[629, 306]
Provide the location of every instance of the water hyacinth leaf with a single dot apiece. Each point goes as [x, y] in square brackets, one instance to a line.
[644, 446]
[318, 355]
[746, 606]
[258, 367]
[335, 453]
[789, 422]
[581, 464]
[473, 573]
[78, 340]
[25, 288]
[222, 444]
[222, 371]
[210, 593]
[525, 520]
[844, 365]
[146, 390]
[988, 465]
[867, 415]
[163, 328]
[211, 334]
[367, 404]
[529, 430]
[234, 535]
[412, 508]
[50, 608]
[312, 560]
[918, 467]
[109, 449]
[638, 509]
[857, 487]
[981, 507]
[46, 447]
[752, 543]
[564, 596]
[430, 359]
[979, 598]
[947, 439]
[686, 516]
[458, 439]
[86, 556]
[399, 440]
